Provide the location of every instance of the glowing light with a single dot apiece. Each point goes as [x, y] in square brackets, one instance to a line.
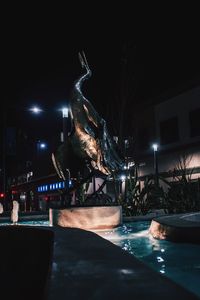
[36, 110]
[43, 146]
[155, 147]
[51, 186]
[65, 112]
[126, 271]
[160, 259]
[123, 177]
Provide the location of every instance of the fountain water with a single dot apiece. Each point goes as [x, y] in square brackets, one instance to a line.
[1, 208]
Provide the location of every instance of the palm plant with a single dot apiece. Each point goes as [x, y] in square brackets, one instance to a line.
[182, 195]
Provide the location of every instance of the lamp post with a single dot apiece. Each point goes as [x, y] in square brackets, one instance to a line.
[65, 114]
[41, 146]
[65, 198]
[155, 151]
[126, 146]
[123, 185]
[40, 152]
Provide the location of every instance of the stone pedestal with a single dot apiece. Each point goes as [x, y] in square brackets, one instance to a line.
[95, 217]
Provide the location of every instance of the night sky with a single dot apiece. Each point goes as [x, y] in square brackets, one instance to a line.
[40, 59]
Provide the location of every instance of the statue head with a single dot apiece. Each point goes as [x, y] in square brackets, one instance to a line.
[83, 61]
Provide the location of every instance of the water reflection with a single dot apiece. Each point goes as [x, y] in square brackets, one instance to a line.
[28, 223]
[132, 237]
[180, 262]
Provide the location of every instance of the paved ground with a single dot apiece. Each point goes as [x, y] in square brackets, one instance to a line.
[86, 266]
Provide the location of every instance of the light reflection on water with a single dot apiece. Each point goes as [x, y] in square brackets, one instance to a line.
[178, 261]
[29, 223]
[131, 237]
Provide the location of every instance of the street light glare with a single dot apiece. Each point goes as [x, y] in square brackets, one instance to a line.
[123, 177]
[65, 111]
[36, 110]
[42, 145]
[155, 147]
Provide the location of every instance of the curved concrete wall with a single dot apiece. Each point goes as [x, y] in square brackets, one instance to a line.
[194, 217]
[96, 217]
[176, 232]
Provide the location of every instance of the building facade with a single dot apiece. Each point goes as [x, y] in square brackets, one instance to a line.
[174, 125]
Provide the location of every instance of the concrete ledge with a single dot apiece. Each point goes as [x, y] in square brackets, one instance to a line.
[148, 217]
[176, 228]
[25, 217]
[95, 217]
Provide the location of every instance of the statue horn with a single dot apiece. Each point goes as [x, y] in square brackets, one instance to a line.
[81, 60]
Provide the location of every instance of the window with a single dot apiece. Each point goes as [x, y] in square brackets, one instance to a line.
[169, 132]
[194, 117]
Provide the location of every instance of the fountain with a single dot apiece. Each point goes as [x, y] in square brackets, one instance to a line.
[177, 227]
[1, 208]
[14, 212]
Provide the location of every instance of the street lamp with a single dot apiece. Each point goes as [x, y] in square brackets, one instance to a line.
[42, 145]
[122, 187]
[65, 114]
[36, 110]
[155, 151]
[40, 158]
[65, 197]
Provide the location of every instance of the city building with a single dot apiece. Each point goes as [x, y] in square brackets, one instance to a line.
[173, 124]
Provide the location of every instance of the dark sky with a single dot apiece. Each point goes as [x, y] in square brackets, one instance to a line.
[37, 57]
[40, 57]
